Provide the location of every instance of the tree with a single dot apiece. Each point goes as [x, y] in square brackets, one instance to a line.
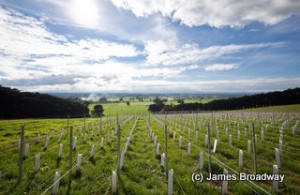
[103, 100]
[17, 104]
[127, 103]
[180, 101]
[158, 101]
[98, 111]
[155, 107]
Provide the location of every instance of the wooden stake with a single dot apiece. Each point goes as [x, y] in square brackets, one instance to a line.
[240, 160]
[225, 183]
[157, 149]
[249, 146]
[180, 141]
[122, 159]
[215, 146]
[170, 182]
[56, 183]
[92, 151]
[78, 162]
[119, 147]
[71, 152]
[162, 159]
[209, 153]
[37, 162]
[26, 150]
[60, 148]
[277, 157]
[46, 143]
[21, 154]
[201, 160]
[275, 183]
[114, 182]
[166, 147]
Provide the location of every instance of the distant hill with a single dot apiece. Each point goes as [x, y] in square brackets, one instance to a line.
[15, 104]
[287, 97]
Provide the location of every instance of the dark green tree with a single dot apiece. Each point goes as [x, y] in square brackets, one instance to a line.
[103, 100]
[157, 106]
[180, 101]
[158, 101]
[98, 111]
[17, 104]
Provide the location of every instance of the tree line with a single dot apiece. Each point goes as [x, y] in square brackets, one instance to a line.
[289, 96]
[15, 104]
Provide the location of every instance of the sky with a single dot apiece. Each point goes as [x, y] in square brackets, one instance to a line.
[150, 46]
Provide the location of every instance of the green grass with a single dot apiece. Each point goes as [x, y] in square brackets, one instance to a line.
[10, 129]
[135, 107]
[228, 155]
[142, 173]
[94, 175]
[113, 109]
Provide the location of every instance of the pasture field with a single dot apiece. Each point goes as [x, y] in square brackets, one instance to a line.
[142, 172]
[284, 108]
[113, 109]
[136, 107]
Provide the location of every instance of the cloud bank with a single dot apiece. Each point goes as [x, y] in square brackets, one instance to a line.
[217, 13]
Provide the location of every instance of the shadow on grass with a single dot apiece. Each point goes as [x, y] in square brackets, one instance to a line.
[69, 188]
[13, 188]
[122, 186]
[103, 150]
[92, 160]
[27, 182]
[77, 174]
[58, 162]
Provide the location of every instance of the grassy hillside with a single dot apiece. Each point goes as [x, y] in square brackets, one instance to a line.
[284, 108]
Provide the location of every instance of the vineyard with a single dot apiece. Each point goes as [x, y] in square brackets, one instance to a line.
[150, 154]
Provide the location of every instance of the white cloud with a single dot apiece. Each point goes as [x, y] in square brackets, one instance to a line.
[221, 67]
[28, 49]
[217, 13]
[37, 59]
[238, 85]
[171, 53]
[24, 36]
[102, 17]
[164, 86]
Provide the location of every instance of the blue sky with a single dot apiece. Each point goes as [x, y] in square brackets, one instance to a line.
[150, 46]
